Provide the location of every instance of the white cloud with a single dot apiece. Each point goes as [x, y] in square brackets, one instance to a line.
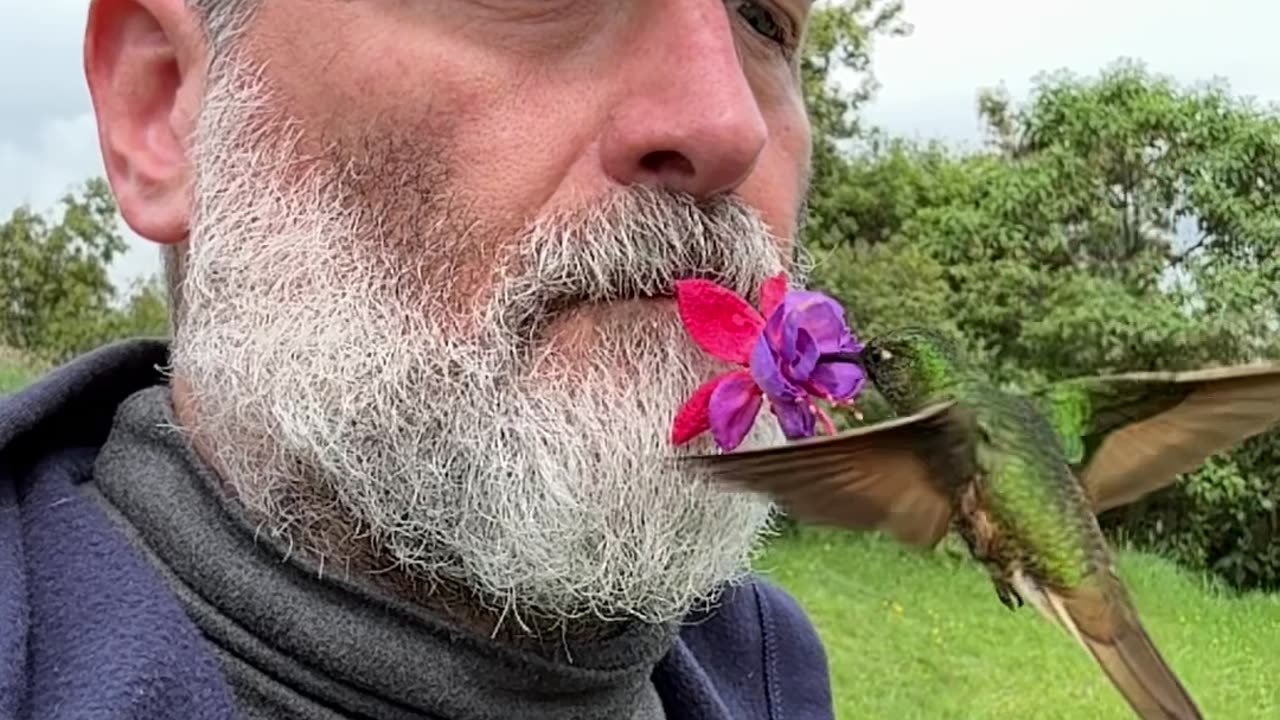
[61, 156]
[48, 141]
[38, 171]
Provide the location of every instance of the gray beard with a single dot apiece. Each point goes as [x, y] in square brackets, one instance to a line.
[333, 372]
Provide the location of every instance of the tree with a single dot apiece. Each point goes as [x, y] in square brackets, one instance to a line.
[839, 40]
[1058, 215]
[145, 312]
[56, 295]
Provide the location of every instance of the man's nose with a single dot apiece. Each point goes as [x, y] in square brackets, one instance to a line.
[690, 120]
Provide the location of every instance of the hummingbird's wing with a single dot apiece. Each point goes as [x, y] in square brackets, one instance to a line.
[1100, 615]
[894, 476]
[1131, 434]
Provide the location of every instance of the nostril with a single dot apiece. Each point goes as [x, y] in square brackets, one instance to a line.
[663, 162]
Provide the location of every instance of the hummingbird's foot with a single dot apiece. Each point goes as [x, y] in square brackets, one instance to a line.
[1008, 596]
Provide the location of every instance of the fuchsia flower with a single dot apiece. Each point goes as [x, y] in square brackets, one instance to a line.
[779, 349]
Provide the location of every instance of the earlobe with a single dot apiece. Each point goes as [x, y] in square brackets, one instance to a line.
[141, 59]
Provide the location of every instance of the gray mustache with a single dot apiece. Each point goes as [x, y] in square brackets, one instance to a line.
[637, 245]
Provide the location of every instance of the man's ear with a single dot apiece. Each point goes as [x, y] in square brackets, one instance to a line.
[144, 61]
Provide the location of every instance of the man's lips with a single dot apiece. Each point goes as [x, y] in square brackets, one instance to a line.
[663, 303]
[665, 292]
[582, 307]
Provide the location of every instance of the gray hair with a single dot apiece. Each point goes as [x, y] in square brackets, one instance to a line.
[173, 256]
[223, 21]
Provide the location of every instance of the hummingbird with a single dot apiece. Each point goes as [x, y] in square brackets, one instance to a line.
[1020, 477]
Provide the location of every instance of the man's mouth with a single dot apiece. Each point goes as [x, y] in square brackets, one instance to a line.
[660, 291]
[612, 298]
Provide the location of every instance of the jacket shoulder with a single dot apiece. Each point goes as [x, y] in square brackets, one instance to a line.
[73, 404]
[87, 628]
[761, 648]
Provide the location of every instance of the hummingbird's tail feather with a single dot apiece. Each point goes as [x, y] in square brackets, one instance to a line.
[1103, 620]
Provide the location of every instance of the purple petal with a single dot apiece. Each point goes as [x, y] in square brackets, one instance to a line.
[768, 375]
[821, 316]
[792, 344]
[790, 404]
[781, 334]
[837, 380]
[795, 417]
[733, 408]
[806, 357]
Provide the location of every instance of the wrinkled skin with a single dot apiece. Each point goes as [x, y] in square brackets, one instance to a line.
[420, 241]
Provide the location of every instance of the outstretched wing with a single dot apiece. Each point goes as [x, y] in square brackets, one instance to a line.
[895, 476]
[1131, 434]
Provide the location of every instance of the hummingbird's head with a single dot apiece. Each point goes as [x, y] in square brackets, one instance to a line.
[910, 366]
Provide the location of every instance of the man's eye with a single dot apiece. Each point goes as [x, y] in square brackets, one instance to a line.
[763, 22]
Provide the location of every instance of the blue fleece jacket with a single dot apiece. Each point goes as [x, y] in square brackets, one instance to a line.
[89, 630]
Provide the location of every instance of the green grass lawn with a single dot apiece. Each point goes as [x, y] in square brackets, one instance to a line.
[15, 371]
[911, 635]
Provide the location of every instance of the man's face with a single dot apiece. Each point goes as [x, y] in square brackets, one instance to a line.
[428, 252]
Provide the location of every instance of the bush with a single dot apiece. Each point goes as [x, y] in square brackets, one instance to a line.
[1222, 518]
[56, 296]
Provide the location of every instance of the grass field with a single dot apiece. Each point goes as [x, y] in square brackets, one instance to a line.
[910, 635]
[15, 371]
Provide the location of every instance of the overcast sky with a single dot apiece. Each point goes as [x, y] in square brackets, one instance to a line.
[47, 131]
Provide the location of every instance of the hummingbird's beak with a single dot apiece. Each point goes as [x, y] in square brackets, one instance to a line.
[841, 357]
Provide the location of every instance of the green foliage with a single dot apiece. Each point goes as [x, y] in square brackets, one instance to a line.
[1223, 519]
[56, 296]
[145, 312]
[840, 35]
[1113, 223]
[17, 369]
